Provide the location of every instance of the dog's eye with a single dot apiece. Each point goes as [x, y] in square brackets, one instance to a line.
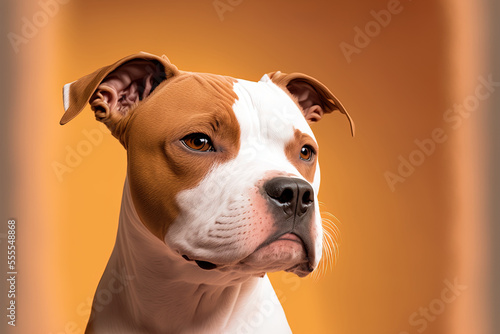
[306, 153]
[198, 142]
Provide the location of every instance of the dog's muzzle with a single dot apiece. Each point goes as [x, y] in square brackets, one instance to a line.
[291, 203]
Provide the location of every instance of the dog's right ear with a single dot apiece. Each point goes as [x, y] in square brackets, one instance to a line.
[113, 91]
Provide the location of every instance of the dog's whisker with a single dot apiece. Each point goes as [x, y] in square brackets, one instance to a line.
[223, 217]
[332, 233]
[330, 251]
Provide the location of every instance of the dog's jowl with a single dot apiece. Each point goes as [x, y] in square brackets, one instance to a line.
[221, 188]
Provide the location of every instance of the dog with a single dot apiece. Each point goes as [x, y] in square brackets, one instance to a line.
[221, 188]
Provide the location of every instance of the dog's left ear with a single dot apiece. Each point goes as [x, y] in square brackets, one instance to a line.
[314, 98]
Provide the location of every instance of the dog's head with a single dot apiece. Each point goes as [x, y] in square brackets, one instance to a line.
[224, 171]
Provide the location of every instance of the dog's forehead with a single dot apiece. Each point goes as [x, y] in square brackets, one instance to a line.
[266, 113]
[270, 124]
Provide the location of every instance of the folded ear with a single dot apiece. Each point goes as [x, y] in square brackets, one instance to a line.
[114, 90]
[314, 97]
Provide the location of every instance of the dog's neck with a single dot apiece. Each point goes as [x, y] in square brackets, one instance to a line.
[158, 291]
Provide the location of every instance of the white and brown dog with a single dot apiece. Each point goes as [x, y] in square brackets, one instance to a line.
[221, 187]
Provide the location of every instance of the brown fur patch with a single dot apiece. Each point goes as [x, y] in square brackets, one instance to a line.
[292, 150]
[159, 165]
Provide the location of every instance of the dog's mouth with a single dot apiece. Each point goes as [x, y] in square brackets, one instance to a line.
[286, 252]
[205, 265]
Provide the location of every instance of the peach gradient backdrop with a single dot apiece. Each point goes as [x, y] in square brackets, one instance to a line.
[396, 247]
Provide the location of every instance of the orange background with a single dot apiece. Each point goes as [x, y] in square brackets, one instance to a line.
[397, 247]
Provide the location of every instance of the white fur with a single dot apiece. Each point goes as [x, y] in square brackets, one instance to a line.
[229, 231]
[205, 302]
[221, 220]
[66, 90]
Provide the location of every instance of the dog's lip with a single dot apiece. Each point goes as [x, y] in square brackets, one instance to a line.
[287, 236]
[301, 269]
[206, 265]
[290, 236]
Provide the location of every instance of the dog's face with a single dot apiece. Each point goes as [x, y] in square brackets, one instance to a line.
[224, 171]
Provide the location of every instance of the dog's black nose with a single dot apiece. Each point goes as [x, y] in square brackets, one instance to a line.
[294, 195]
